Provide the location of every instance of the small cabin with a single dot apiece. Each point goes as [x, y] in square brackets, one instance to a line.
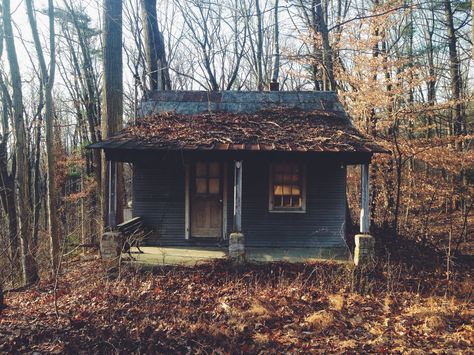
[269, 167]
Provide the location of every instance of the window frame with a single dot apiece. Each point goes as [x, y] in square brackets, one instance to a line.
[271, 207]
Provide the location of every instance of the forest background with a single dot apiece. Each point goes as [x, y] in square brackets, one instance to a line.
[402, 68]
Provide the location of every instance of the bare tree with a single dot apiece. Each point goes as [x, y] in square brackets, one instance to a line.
[276, 46]
[157, 65]
[454, 69]
[29, 269]
[7, 178]
[48, 81]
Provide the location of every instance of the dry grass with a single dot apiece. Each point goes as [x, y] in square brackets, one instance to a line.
[337, 302]
[320, 321]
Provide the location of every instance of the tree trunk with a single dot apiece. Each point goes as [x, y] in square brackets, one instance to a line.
[259, 46]
[48, 82]
[431, 83]
[327, 57]
[372, 126]
[112, 96]
[157, 64]
[37, 171]
[276, 45]
[454, 69]
[7, 180]
[29, 270]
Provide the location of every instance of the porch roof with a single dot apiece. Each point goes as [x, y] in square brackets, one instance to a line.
[288, 129]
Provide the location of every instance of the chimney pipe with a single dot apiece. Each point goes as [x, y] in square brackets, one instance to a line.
[274, 86]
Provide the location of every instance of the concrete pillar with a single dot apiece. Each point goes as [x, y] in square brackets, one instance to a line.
[110, 245]
[237, 247]
[364, 252]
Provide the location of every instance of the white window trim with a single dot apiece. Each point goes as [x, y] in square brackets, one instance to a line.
[301, 209]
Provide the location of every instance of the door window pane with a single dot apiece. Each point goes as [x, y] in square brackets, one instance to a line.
[201, 185]
[214, 170]
[201, 169]
[214, 187]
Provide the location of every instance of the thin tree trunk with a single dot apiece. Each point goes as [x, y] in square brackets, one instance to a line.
[431, 84]
[454, 69]
[7, 180]
[89, 90]
[29, 269]
[327, 57]
[372, 126]
[157, 64]
[276, 45]
[37, 173]
[48, 82]
[259, 46]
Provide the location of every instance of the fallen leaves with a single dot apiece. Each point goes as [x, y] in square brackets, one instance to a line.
[283, 129]
[214, 307]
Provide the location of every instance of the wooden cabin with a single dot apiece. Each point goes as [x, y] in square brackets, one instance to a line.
[268, 165]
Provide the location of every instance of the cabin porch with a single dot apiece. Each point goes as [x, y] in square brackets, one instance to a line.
[156, 256]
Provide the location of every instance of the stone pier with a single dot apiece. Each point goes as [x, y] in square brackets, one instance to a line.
[364, 252]
[237, 247]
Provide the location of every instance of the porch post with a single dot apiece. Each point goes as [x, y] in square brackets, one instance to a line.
[364, 191]
[112, 217]
[238, 196]
[236, 238]
[364, 243]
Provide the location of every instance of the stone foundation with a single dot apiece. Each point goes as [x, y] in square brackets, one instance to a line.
[110, 245]
[364, 252]
[237, 247]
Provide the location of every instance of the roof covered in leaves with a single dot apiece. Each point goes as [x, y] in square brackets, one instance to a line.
[270, 121]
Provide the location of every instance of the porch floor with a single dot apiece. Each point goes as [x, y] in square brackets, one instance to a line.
[193, 255]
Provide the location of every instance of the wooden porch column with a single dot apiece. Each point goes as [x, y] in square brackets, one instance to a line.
[112, 198]
[238, 196]
[364, 206]
[236, 238]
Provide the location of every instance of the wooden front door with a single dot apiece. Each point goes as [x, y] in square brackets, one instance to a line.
[206, 200]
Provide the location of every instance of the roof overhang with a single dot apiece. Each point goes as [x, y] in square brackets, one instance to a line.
[229, 121]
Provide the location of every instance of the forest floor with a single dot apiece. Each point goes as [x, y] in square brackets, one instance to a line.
[400, 306]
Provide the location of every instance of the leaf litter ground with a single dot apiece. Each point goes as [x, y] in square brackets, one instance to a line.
[268, 308]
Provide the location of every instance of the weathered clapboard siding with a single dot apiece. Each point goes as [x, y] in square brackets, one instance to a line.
[323, 224]
[159, 198]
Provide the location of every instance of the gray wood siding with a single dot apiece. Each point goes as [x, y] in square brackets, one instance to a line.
[323, 224]
[159, 198]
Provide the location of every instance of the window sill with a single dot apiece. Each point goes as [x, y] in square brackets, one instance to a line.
[287, 211]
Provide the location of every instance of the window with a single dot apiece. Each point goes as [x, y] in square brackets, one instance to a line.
[207, 178]
[287, 188]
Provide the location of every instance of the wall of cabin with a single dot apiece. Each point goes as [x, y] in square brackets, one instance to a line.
[159, 197]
